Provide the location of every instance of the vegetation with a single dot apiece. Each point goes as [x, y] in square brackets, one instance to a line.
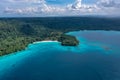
[68, 40]
[17, 33]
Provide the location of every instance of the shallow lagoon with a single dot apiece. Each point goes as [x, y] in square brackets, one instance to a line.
[96, 58]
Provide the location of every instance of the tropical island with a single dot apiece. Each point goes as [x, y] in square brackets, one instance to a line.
[17, 33]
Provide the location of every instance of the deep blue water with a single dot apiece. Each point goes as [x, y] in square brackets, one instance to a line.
[96, 58]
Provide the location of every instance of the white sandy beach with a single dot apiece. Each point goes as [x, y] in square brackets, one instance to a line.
[44, 41]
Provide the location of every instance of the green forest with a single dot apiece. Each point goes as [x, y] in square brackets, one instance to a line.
[17, 33]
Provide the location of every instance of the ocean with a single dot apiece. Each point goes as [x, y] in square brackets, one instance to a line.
[95, 58]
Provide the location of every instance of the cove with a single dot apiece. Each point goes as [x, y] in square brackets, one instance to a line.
[95, 58]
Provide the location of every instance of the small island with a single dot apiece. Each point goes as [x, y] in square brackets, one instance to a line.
[68, 40]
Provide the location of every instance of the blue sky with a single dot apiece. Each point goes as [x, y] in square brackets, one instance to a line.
[60, 2]
[89, 1]
[40, 8]
[63, 2]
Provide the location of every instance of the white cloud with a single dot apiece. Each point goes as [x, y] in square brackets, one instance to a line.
[28, 1]
[42, 8]
[110, 7]
[109, 3]
[26, 10]
[77, 8]
[86, 8]
[77, 4]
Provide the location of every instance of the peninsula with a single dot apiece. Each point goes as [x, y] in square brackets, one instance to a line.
[68, 40]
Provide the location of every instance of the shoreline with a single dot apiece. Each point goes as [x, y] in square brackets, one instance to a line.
[36, 42]
[44, 41]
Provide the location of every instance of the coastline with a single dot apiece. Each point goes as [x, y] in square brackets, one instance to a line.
[17, 57]
[36, 42]
[44, 41]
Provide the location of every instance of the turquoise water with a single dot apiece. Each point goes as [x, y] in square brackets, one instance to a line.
[96, 58]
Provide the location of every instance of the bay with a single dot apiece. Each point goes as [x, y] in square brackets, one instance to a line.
[95, 58]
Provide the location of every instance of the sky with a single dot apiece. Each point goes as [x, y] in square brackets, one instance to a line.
[41, 8]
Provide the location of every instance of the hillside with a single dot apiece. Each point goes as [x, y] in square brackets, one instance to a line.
[17, 33]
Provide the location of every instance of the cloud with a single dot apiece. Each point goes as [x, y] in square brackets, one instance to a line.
[25, 1]
[78, 6]
[109, 3]
[40, 7]
[34, 7]
[26, 10]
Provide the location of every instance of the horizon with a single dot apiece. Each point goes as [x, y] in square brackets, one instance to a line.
[86, 16]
